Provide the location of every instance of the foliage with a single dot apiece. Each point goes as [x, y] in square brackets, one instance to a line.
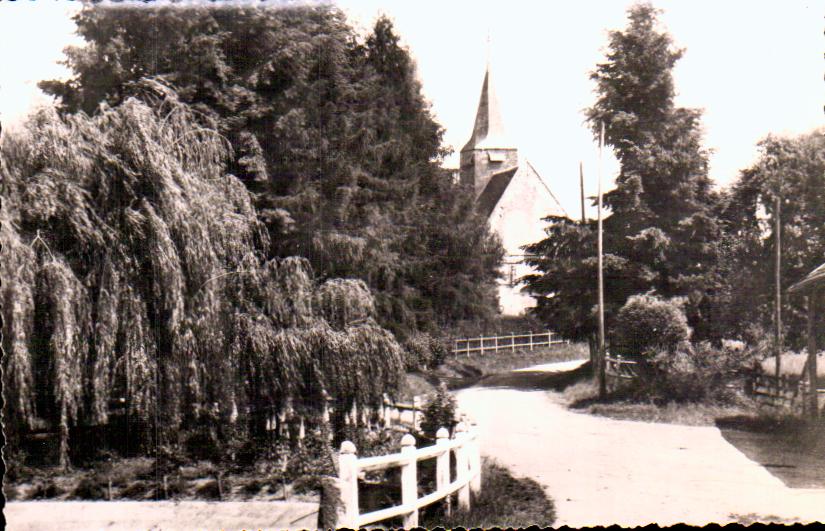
[647, 325]
[698, 373]
[331, 133]
[137, 274]
[440, 412]
[794, 169]
[90, 487]
[661, 230]
[424, 351]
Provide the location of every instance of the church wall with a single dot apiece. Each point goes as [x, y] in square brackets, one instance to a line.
[517, 219]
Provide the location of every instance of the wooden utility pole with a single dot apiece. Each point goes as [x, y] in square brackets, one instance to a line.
[813, 401]
[602, 361]
[778, 277]
[581, 190]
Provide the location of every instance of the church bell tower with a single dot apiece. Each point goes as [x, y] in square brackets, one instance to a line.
[488, 151]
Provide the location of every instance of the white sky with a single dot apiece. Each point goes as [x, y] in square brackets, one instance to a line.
[755, 67]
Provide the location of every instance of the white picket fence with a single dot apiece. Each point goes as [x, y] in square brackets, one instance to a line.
[464, 445]
[512, 343]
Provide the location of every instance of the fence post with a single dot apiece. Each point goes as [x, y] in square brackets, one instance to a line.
[348, 485]
[531, 340]
[462, 466]
[475, 458]
[386, 412]
[512, 342]
[416, 414]
[442, 465]
[409, 481]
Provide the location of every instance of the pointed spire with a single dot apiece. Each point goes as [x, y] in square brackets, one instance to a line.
[488, 132]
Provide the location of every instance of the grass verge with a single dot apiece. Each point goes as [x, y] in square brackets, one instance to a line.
[583, 396]
[504, 502]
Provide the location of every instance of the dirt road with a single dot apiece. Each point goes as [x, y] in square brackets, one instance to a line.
[602, 471]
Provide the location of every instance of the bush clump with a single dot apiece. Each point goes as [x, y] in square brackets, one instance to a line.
[90, 488]
[647, 325]
[696, 373]
[424, 351]
[439, 412]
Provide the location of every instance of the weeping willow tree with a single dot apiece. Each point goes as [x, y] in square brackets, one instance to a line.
[134, 281]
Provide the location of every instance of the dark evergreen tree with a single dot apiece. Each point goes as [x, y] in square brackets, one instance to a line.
[661, 231]
[330, 133]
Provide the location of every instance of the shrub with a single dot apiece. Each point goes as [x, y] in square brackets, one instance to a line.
[136, 490]
[646, 325]
[47, 489]
[90, 487]
[423, 351]
[440, 411]
[210, 490]
[695, 374]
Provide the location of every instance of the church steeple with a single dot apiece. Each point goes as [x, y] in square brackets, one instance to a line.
[488, 151]
[488, 132]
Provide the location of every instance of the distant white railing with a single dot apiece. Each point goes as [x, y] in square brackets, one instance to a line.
[512, 343]
[466, 448]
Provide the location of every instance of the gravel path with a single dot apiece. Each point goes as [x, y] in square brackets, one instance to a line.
[601, 471]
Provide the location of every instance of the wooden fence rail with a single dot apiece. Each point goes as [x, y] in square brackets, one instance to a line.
[465, 447]
[511, 342]
[618, 370]
[787, 391]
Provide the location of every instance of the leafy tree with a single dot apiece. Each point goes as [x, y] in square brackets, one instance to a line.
[135, 273]
[792, 168]
[662, 226]
[331, 134]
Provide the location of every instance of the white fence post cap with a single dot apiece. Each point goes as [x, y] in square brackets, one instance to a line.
[407, 440]
[347, 447]
[442, 433]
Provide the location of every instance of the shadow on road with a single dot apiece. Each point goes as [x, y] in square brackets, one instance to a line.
[790, 449]
[537, 381]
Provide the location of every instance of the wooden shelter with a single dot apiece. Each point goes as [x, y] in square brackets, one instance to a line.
[812, 288]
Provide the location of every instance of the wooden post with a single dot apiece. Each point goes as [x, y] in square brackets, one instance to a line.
[475, 459]
[462, 466]
[496, 345]
[348, 486]
[813, 401]
[409, 481]
[387, 413]
[442, 464]
[416, 415]
[602, 384]
[531, 340]
[513, 342]
[778, 286]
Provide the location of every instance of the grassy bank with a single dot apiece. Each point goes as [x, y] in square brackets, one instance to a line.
[504, 501]
[583, 396]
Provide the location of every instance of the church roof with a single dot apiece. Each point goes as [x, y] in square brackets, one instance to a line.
[489, 197]
[488, 131]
